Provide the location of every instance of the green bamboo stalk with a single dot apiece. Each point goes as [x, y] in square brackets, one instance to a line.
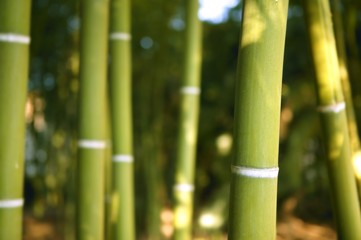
[346, 89]
[92, 121]
[14, 59]
[333, 118]
[122, 219]
[187, 136]
[108, 175]
[253, 196]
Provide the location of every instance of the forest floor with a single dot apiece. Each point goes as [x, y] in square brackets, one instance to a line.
[298, 219]
[305, 219]
[35, 229]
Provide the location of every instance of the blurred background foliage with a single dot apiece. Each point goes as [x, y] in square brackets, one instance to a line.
[157, 43]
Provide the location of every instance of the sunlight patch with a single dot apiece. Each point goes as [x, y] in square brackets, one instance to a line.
[215, 11]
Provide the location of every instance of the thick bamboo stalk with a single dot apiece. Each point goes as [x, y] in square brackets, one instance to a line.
[346, 89]
[92, 129]
[187, 136]
[333, 118]
[122, 217]
[14, 59]
[257, 109]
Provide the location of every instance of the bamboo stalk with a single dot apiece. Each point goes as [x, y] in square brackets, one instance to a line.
[14, 59]
[346, 89]
[108, 176]
[92, 129]
[253, 194]
[333, 118]
[187, 136]
[120, 78]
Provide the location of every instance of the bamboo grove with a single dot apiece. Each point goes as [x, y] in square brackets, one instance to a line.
[142, 125]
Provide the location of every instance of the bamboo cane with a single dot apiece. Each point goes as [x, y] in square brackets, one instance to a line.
[333, 118]
[187, 136]
[120, 76]
[92, 129]
[108, 176]
[346, 89]
[14, 58]
[258, 98]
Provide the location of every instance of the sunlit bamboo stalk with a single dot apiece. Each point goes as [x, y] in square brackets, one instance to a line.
[122, 215]
[14, 61]
[333, 118]
[92, 141]
[346, 89]
[257, 116]
[187, 135]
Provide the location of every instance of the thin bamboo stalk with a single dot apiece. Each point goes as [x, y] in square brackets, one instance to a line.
[187, 136]
[14, 59]
[120, 79]
[346, 89]
[108, 175]
[92, 121]
[254, 168]
[333, 118]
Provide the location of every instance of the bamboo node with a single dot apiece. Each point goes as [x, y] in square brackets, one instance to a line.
[190, 90]
[120, 36]
[125, 158]
[183, 187]
[96, 144]
[11, 203]
[14, 38]
[255, 172]
[334, 108]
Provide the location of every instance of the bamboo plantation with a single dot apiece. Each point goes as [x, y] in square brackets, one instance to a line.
[180, 120]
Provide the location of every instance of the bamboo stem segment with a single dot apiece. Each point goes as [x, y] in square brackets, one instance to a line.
[187, 136]
[92, 119]
[333, 118]
[346, 89]
[122, 216]
[14, 61]
[253, 195]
